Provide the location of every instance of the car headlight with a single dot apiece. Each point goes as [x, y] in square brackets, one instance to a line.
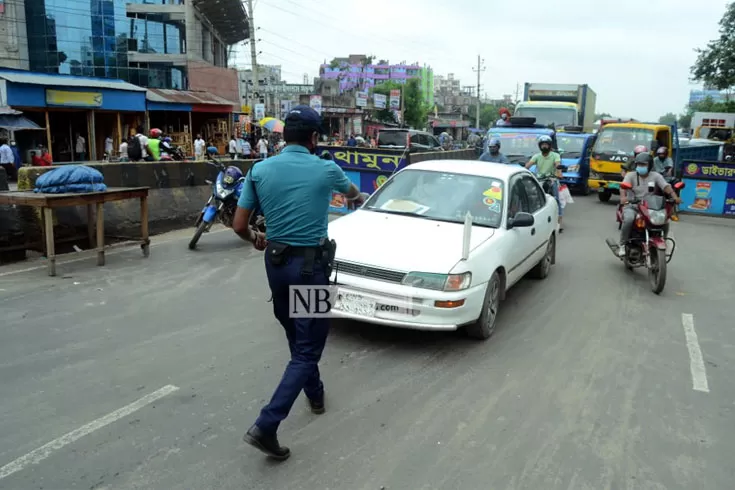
[573, 168]
[595, 176]
[438, 282]
[222, 192]
[657, 217]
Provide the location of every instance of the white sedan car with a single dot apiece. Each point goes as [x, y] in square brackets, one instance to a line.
[400, 256]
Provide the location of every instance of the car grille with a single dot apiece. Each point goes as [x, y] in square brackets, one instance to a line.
[369, 272]
[610, 176]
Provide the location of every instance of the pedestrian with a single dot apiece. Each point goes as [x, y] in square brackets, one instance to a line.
[17, 160]
[108, 148]
[232, 147]
[199, 146]
[81, 148]
[7, 159]
[247, 150]
[293, 191]
[123, 151]
[263, 147]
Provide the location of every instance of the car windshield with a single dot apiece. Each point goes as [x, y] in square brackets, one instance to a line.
[517, 146]
[395, 139]
[549, 115]
[569, 147]
[622, 141]
[441, 196]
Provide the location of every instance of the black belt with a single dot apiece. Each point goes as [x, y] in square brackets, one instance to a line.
[303, 251]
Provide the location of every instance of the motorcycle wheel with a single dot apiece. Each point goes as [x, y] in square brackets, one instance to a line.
[197, 235]
[657, 272]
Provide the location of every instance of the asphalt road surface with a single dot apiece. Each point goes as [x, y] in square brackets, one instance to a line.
[145, 374]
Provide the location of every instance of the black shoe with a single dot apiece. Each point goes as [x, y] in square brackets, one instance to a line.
[266, 443]
[317, 407]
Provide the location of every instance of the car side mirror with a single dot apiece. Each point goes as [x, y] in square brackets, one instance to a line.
[521, 220]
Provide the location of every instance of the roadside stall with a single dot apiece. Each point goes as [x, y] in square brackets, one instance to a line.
[710, 188]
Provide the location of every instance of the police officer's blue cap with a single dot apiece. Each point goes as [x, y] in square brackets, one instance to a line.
[303, 116]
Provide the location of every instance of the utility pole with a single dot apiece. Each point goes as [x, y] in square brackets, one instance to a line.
[518, 91]
[480, 68]
[253, 61]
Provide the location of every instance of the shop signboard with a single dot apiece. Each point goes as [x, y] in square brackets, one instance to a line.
[73, 99]
[395, 99]
[710, 171]
[361, 99]
[730, 200]
[339, 201]
[370, 182]
[285, 108]
[315, 102]
[366, 159]
[704, 196]
[245, 109]
[379, 100]
[357, 125]
[259, 111]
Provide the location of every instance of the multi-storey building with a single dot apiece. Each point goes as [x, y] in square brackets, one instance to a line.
[165, 44]
[356, 72]
[273, 92]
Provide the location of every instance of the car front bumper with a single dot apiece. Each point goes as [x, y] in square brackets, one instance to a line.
[605, 185]
[402, 306]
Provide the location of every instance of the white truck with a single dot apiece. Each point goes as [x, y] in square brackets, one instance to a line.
[564, 105]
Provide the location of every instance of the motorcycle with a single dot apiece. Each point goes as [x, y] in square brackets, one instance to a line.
[647, 244]
[222, 204]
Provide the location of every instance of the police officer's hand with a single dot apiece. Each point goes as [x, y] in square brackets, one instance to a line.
[259, 240]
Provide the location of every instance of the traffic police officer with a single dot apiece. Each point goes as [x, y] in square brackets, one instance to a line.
[293, 190]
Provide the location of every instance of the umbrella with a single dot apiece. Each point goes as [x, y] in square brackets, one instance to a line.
[17, 123]
[272, 124]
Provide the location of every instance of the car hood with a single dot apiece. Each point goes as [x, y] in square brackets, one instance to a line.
[402, 243]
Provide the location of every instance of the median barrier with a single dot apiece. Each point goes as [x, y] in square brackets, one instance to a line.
[178, 191]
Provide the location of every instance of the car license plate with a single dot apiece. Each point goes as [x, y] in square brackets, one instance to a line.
[356, 304]
[613, 185]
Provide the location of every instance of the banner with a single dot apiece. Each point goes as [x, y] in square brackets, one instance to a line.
[710, 171]
[73, 99]
[361, 99]
[339, 201]
[704, 196]
[380, 101]
[730, 200]
[395, 99]
[366, 159]
[357, 125]
[315, 102]
[259, 112]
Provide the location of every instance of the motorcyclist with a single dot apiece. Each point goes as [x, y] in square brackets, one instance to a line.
[493, 152]
[629, 166]
[663, 164]
[154, 143]
[548, 166]
[639, 179]
[504, 117]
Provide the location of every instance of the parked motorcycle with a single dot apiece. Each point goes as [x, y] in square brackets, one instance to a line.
[647, 245]
[222, 204]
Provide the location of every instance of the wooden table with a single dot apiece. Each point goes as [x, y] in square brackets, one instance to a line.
[49, 202]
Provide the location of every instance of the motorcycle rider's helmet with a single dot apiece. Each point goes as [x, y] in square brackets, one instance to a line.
[232, 176]
[662, 151]
[167, 139]
[639, 149]
[644, 158]
[494, 142]
[156, 133]
[545, 139]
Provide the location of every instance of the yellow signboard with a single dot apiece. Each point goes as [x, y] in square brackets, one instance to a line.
[245, 109]
[73, 99]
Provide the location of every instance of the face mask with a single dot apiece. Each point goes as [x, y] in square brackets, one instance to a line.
[494, 150]
[545, 149]
[641, 170]
[504, 117]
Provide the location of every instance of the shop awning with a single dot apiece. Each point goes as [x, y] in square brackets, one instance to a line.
[50, 80]
[188, 101]
[13, 120]
[228, 17]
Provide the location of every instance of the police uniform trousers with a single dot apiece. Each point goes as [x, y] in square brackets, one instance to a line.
[306, 340]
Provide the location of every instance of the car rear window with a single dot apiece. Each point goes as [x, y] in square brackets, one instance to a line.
[393, 138]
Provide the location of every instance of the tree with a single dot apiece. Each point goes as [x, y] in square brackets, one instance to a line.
[415, 110]
[715, 64]
[668, 118]
[602, 115]
[685, 120]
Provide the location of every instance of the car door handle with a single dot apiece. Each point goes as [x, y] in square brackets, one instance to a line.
[533, 231]
[548, 219]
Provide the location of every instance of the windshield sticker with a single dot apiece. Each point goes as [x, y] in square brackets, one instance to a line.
[494, 192]
[494, 207]
[404, 206]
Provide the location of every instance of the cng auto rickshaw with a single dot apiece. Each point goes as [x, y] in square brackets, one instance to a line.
[613, 151]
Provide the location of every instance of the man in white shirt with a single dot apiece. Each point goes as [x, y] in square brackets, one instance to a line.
[7, 159]
[232, 150]
[108, 147]
[81, 148]
[245, 148]
[199, 145]
[144, 146]
[263, 147]
[124, 151]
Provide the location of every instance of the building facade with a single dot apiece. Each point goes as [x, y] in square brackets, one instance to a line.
[275, 93]
[167, 44]
[451, 97]
[357, 72]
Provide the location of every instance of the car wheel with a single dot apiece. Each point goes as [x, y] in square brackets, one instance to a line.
[604, 196]
[484, 327]
[542, 269]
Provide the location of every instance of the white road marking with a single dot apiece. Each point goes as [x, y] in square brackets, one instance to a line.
[696, 361]
[114, 251]
[43, 452]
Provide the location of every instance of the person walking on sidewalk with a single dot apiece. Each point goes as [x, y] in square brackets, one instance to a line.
[293, 190]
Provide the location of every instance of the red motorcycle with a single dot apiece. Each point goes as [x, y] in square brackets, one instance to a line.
[646, 246]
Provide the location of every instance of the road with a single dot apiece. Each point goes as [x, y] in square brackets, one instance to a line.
[145, 374]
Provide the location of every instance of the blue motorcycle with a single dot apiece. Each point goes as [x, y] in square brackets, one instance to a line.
[222, 204]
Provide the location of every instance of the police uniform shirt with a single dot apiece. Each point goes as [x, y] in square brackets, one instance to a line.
[294, 190]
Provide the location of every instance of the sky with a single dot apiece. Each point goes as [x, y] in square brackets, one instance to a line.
[635, 54]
